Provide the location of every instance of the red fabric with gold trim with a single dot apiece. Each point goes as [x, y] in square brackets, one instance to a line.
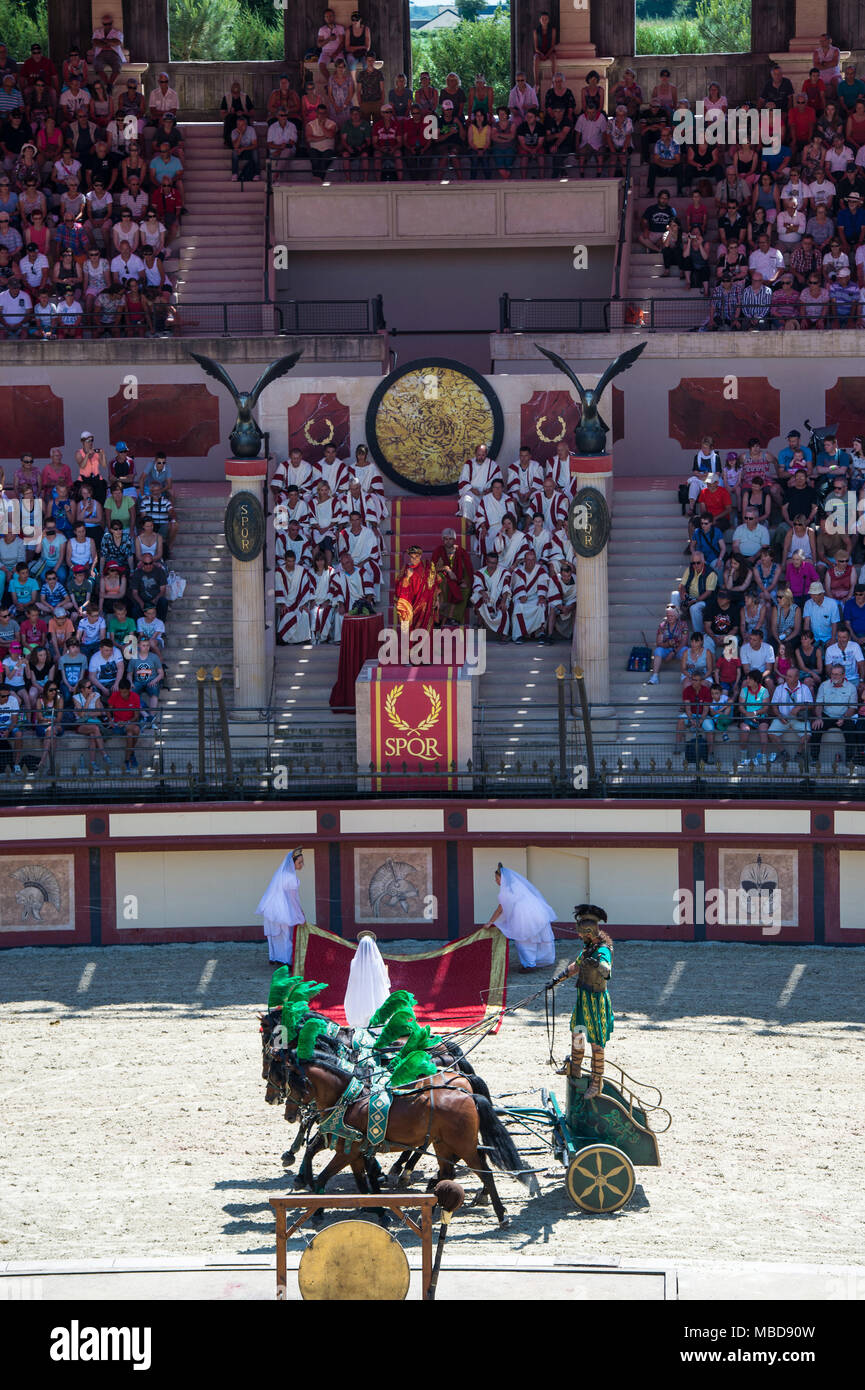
[414, 722]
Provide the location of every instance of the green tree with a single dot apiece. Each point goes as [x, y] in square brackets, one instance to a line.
[469, 48]
[22, 25]
[470, 9]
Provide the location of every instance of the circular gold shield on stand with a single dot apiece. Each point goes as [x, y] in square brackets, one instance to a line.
[353, 1260]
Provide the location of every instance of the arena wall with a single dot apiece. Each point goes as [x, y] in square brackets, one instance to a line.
[150, 874]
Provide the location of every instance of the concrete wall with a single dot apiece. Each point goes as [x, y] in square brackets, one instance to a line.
[168, 873]
[446, 290]
[375, 216]
[800, 367]
[85, 377]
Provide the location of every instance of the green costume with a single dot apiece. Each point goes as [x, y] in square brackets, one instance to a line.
[593, 1010]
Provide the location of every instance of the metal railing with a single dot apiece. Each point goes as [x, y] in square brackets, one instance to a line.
[197, 753]
[311, 317]
[637, 314]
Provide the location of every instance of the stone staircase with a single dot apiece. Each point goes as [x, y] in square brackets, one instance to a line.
[199, 628]
[221, 255]
[646, 279]
[646, 558]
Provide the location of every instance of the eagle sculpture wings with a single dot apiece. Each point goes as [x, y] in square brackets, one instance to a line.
[246, 438]
[591, 433]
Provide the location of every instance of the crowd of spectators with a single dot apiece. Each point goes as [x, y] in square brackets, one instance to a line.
[353, 117]
[84, 595]
[767, 625]
[787, 250]
[91, 195]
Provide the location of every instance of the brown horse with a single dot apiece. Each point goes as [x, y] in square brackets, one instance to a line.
[448, 1056]
[440, 1109]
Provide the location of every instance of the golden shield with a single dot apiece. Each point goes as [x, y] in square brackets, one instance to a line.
[353, 1261]
[429, 416]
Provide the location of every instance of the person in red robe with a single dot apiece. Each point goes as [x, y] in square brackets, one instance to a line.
[416, 593]
[456, 576]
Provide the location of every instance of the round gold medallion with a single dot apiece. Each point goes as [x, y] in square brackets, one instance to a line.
[353, 1261]
[427, 418]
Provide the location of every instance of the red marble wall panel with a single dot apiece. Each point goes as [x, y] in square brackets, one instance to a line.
[618, 414]
[845, 407]
[182, 419]
[31, 417]
[316, 420]
[545, 419]
[699, 406]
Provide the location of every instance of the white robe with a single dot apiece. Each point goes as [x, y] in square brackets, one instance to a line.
[522, 482]
[510, 551]
[287, 475]
[487, 590]
[529, 605]
[368, 984]
[293, 592]
[364, 549]
[372, 487]
[280, 907]
[336, 475]
[489, 515]
[526, 919]
[347, 589]
[322, 613]
[475, 480]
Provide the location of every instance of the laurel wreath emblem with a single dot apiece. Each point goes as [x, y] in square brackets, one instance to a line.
[399, 723]
[326, 438]
[552, 438]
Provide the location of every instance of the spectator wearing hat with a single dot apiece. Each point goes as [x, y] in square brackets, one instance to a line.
[695, 586]
[671, 641]
[450, 140]
[38, 66]
[715, 501]
[107, 51]
[386, 140]
[726, 302]
[15, 310]
[281, 142]
[850, 222]
[821, 614]
[844, 300]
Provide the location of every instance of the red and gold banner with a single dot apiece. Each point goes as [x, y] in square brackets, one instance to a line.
[413, 710]
[457, 985]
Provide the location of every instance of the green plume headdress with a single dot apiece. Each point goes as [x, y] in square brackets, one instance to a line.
[418, 1040]
[400, 1025]
[412, 1067]
[397, 999]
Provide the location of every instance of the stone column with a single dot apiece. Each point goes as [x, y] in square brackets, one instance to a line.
[69, 22]
[591, 644]
[811, 22]
[251, 674]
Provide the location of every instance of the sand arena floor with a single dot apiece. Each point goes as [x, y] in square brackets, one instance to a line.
[134, 1121]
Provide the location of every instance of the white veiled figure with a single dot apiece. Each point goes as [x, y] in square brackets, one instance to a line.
[368, 982]
[280, 907]
[526, 919]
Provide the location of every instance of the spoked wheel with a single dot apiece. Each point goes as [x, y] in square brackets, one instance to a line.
[600, 1178]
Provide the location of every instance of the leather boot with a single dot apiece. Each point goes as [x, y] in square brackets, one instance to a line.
[596, 1084]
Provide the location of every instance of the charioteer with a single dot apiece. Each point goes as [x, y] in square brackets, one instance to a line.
[592, 1017]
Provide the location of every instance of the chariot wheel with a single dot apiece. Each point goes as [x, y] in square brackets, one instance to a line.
[600, 1178]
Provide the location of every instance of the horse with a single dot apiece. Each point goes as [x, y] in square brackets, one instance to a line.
[441, 1109]
[448, 1055]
